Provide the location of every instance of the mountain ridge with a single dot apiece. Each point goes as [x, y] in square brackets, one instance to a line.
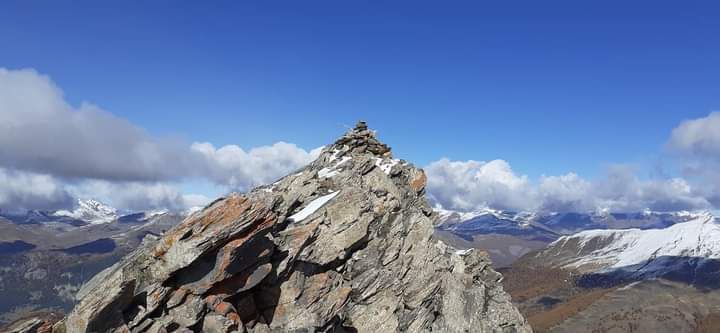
[638, 253]
[509, 235]
[345, 244]
[92, 211]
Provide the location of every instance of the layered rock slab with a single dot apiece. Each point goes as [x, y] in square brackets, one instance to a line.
[343, 245]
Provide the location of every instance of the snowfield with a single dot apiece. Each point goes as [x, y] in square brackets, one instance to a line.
[697, 238]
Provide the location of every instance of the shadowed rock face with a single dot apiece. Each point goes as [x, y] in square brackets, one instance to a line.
[344, 245]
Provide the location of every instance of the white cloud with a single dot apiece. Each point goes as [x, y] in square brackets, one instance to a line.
[27, 191]
[698, 137]
[138, 196]
[468, 185]
[90, 152]
[465, 185]
[239, 169]
[697, 144]
[568, 192]
[195, 200]
[622, 190]
[40, 132]
[51, 151]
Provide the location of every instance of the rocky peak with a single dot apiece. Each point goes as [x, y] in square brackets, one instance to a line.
[344, 245]
[361, 140]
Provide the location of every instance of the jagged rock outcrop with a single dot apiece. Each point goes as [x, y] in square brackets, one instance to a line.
[35, 323]
[343, 245]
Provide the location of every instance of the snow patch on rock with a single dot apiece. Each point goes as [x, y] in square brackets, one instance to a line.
[312, 207]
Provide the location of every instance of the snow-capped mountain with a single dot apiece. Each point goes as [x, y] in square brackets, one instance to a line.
[91, 211]
[53, 253]
[448, 217]
[629, 280]
[491, 221]
[86, 212]
[92, 221]
[554, 225]
[639, 253]
[141, 216]
[509, 235]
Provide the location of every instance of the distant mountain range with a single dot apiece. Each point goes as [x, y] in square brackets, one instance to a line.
[601, 272]
[660, 272]
[90, 211]
[85, 213]
[567, 272]
[46, 255]
[688, 252]
[509, 235]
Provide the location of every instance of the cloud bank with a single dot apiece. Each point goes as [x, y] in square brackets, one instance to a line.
[40, 132]
[62, 151]
[52, 152]
[698, 138]
[469, 185]
[696, 143]
[20, 191]
[234, 167]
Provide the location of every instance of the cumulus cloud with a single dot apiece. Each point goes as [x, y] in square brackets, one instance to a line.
[22, 191]
[234, 167]
[697, 144]
[52, 151]
[622, 190]
[138, 196]
[85, 149]
[465, 185]
[698, 137]
[40, 132]
[469, 185]
[564, 193]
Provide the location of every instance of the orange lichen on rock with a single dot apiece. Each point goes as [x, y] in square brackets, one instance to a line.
[234, 317]
[230, 252]
[231, 209]
[419, 182]
[224, 308]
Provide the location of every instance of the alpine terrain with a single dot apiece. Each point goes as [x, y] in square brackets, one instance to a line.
[343, 245]
[45, 256]
[631, 280]
[507, 236]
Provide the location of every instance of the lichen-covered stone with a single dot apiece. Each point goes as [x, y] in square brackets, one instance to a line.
[364, 261]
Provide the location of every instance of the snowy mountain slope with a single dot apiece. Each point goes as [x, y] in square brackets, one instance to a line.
[141, 217]
[494, 230]
[455, 217]
[553, 225]
[652, 280]
[43, 265]
[505, 236]
[491, 221]
[639, 252]
[87, 212]
[91, 211]
[91, 220]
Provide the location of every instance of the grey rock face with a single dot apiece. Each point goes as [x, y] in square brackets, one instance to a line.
[39, 323]
[344, 245]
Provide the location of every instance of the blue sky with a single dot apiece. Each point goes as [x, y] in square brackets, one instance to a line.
[551, 87]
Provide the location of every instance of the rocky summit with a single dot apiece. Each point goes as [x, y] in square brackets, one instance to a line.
[343, 245]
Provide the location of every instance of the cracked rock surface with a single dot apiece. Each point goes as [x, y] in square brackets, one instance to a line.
[343, 245]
